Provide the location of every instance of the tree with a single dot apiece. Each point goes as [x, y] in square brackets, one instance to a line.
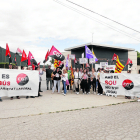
[138, 58]
[52, 61]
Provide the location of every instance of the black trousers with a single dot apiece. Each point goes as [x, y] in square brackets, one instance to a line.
[88, 85]
[77, 89]
[39, 86]
[84, 86]
[94, 84]
[69, 86]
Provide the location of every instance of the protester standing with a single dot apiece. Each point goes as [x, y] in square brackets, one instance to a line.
[85, 82]
[29, 68]
[69, 78]
[76, 80]
[57, 78]
[89, 80]
[64, 79]
[93, 80]
[80, 77]
[48, 77]
[10, 67]
[0, 99]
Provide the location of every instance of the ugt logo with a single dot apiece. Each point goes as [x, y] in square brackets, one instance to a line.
[22, 79]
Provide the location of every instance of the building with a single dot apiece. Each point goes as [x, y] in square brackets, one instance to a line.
[105, 53]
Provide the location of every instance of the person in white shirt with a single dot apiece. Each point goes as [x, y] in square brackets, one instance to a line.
[64, 79]
[76, 80]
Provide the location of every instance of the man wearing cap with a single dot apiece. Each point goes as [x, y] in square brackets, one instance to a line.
[48, 77]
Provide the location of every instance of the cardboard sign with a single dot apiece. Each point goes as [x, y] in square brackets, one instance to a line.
[83, 60]
[103, 64]
[72, 56]
[91, 60]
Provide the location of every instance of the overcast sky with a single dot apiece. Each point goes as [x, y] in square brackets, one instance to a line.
[36, 25]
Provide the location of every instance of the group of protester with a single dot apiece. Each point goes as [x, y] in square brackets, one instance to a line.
[75, 79]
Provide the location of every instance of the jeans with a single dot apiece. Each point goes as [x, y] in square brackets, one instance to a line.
[54, 87]
[47, 81]
[64, 85]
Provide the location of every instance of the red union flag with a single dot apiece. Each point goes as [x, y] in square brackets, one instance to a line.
[7, 50]
[54, 51]
[129, 61]
[47, 54]
[30, 57]
[115, 56]
[24, 56]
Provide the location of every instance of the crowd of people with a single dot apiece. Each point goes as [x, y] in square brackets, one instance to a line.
[76, 80]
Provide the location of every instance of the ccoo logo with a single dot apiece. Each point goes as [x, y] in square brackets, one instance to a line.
[22, 79]
[128, 84]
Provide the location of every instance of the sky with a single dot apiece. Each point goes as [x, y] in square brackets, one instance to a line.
[36, 25]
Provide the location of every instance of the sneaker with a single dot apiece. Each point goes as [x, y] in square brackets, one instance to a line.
[88, 92]
[98, 94]
[62, 91]
[85, 92]
[64, 94]
[77, 92]
[101, 94]
[0, 100]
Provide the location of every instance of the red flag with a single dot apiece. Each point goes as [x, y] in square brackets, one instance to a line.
[33, 66]
[54, 51]
[19, 51]
[114, 56]
[30, 57]
[87, 65]
[38, 64]
[75, 61]
[7, 50]
[129, 61]
[24, 56]
[47, 54]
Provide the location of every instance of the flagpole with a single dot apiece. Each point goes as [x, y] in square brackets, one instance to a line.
[92, 63]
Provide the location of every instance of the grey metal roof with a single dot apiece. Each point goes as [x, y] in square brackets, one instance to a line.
[100, 45]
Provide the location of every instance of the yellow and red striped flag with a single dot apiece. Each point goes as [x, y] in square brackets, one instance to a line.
[119, 66]
[56, 63]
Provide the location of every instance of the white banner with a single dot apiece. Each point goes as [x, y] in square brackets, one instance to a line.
[72, 56]
[15, 82]
[91, 60]
[120, 84]
[83, 60]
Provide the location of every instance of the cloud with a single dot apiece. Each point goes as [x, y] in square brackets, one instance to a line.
[33, 24]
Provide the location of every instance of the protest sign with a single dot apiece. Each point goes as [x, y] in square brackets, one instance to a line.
[72, 56]
[120, 84]
[83, 60]
[91, 60]
[15, 82]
